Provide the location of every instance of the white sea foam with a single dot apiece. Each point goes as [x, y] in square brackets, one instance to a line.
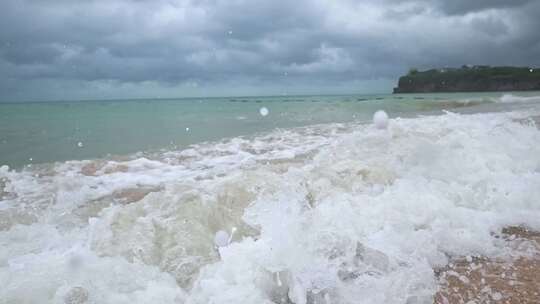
[509, 98]
[330, 213]
[504, 99]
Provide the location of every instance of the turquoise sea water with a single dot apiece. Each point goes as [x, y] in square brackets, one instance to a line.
[59, 131]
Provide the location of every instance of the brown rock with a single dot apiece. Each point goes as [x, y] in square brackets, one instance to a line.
[93, 167]
[90, 169]
[131, 195]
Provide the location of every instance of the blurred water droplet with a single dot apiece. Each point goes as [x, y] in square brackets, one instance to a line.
[221, 239]
[263, 111]
[80, 144]
[380, 119]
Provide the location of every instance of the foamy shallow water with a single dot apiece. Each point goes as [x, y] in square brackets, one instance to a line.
[332, 213]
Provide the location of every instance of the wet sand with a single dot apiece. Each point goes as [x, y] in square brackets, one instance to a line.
[510, 280]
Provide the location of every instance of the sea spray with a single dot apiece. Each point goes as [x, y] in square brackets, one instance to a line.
[233, 230]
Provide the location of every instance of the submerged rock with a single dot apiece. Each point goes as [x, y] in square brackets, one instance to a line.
[76, 295]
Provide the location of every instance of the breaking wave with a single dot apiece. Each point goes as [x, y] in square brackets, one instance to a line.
[321, 214]
[509, 98]
[505, 98]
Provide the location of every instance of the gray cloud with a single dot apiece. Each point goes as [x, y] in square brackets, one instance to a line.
[466, 6]
[182, 47]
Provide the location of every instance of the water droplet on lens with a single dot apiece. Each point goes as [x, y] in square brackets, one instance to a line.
[221, 239]
[380, 119]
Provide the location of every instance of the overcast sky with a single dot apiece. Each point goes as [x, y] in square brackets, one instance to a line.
[95, 49]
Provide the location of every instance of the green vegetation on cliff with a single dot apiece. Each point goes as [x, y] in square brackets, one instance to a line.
[470, 79]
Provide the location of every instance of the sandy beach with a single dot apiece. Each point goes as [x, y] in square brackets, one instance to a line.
[510, 279]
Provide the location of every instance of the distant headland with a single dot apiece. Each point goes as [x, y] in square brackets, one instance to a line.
[477, 78]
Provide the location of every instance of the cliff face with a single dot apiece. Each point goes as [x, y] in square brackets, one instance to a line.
[470, 79]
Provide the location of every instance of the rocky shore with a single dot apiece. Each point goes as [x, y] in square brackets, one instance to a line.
[470, 79]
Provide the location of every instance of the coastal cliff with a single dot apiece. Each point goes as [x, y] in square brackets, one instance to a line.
[470, 79]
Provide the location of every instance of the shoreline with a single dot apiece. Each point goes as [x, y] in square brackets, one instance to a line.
[508, 279]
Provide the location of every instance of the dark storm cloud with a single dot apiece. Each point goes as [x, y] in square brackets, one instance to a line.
[466, 6]
[207, 45]
[461, 7]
